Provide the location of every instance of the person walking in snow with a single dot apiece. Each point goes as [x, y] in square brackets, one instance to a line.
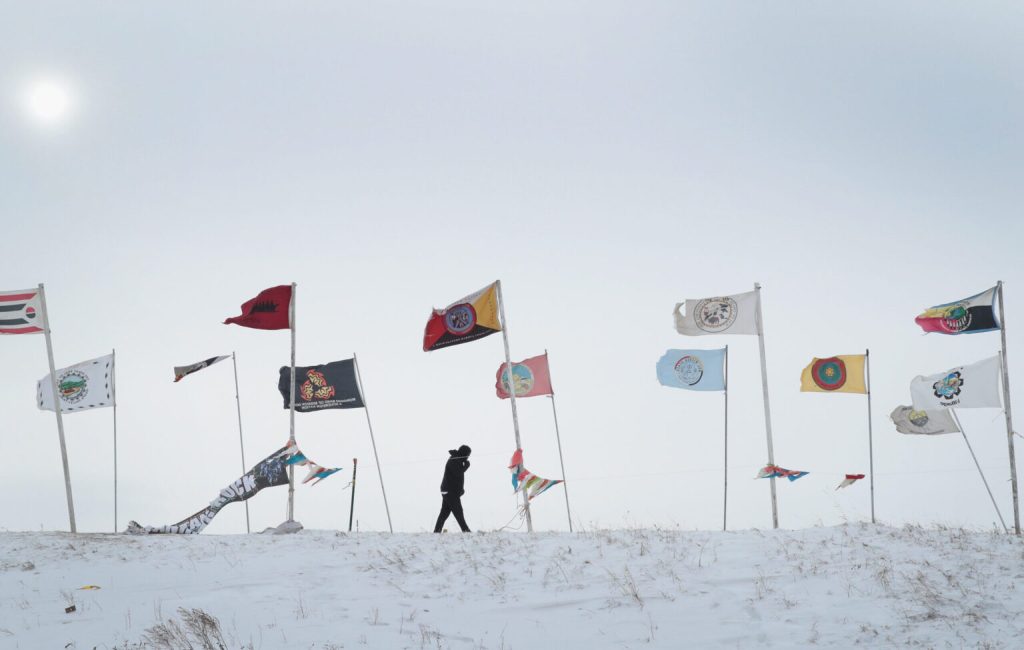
[452, 487]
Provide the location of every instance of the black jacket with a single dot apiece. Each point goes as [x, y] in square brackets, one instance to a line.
[455, 473]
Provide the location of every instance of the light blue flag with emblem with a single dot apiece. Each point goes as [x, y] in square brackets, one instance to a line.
[693, 369]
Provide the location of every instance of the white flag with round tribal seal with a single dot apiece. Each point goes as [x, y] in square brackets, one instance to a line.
[735, 314]
[86, 385]
[975, 385]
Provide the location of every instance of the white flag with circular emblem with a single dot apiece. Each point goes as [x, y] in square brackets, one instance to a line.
[736, 314]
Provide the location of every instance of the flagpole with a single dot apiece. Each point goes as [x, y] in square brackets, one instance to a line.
[291, 408]
[376, 458]
[57, 409]
[1006, 410]
[871, 449]
[113, 392]
[352, 502]
[976, 464]
[241, 443]
[512, 396]
[558, 437]
[725, 445]
[767, 407]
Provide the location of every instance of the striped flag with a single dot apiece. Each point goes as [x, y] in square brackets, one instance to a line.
[21, 312]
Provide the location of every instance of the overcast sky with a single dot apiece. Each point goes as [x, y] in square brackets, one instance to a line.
[862, 161]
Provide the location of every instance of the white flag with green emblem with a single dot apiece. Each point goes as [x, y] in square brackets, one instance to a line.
[86, 385]
[736, 314]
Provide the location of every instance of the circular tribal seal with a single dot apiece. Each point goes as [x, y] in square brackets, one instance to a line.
[948, 387]
[689, 369]
[715, 314]
[460, 319]
[829, 374]
[523, 377]
[918, 418]
[956, 318]
[73, 386]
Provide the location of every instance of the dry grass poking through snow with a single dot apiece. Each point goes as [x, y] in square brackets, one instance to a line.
[871, 586]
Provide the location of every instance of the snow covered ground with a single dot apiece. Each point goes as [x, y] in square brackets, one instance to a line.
[843, 586]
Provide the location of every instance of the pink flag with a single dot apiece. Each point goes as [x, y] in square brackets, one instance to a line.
[531, 378]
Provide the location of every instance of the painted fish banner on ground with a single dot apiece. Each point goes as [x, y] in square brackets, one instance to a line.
[736, 314]
[327, 386]
[966, 316]
[83, 386]
[272, 471]
[929, 423]
[692, 369]
[974, 385]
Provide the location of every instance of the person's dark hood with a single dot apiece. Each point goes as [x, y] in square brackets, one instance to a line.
[463, 451]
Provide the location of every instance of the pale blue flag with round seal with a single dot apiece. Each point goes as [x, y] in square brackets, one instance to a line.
[693, 369]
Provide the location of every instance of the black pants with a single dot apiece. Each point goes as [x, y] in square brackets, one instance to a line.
[451, 504]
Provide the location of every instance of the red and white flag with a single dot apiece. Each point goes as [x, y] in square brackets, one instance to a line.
[850, 480]
[21, 312]
[267, 311]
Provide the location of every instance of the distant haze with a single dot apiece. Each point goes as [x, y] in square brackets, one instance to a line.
[862, 161]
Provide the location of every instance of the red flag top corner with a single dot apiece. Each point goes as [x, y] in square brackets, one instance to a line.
[267, 311]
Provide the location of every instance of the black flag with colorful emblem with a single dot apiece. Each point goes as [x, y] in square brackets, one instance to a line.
[328, 386]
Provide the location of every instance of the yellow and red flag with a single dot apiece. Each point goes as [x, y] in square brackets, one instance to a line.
[840, 374]
[465, 320]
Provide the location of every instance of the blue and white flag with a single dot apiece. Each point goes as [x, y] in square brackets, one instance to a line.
[693, 369]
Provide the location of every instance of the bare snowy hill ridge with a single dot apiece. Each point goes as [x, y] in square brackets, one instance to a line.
[845, 586]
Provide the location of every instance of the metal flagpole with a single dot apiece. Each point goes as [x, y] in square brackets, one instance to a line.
[373, 441]
[57, 409]
[352, 503]
[241, 443]
[871, 449]
[976, 464]
[291, 409]
[767, 407]
[1006, 410]
[113, 392]
[558, 437]
[512, 396]
[725, 481]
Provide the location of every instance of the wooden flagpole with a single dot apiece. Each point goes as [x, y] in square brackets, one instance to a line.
[558, 437]
[113, 393]
[725, 445]
[767, 407]
[512, 395]
[373, 441]
[352, 501]
[1006, 410]
[976, 464]
[57, 409]
[871, 448]
[241, 442]
[291, 408]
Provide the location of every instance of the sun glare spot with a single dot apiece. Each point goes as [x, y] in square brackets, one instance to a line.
[48, 102]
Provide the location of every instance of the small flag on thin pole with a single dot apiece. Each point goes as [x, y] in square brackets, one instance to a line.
[180, 372]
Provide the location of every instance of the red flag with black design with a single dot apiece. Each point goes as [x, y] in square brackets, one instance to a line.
[267, 311]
